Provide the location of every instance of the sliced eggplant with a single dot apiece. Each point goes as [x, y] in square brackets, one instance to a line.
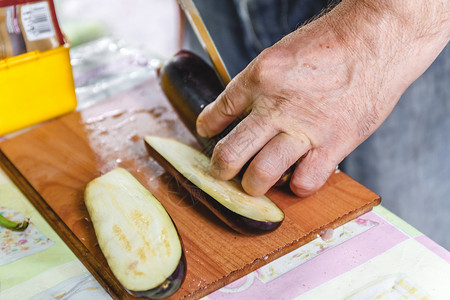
[190, 84]
[226, 199]
[136, 235]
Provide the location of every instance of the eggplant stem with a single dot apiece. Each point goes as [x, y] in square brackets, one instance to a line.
[15, 226]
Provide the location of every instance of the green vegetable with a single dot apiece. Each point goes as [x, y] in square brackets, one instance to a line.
[16, 226]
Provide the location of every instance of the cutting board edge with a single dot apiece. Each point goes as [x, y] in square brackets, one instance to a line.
[229, 278]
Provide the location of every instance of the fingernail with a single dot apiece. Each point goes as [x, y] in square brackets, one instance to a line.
[200, 129]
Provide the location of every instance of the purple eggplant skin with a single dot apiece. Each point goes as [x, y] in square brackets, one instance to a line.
[190, 84]
[240, 223]
[234, 220]
[169, 286]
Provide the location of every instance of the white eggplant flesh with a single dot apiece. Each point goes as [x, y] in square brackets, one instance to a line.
[136, 235]
[244, 213]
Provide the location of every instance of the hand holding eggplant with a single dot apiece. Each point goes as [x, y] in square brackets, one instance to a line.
[321, 91]
[191, 84]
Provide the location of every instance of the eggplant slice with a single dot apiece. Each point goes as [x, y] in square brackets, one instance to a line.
[136, 235]
[226, 199]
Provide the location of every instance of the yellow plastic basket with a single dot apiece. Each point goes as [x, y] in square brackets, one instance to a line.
[34, 87]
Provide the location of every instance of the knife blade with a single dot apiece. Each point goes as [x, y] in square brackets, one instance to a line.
[202, 33]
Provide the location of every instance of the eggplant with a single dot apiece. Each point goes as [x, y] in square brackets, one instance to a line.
[226, 199]
[136, 234]
[190, 84]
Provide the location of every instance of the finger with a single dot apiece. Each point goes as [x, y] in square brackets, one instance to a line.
[241, 144]
[228, 106]
[272, 161]
[312, 172]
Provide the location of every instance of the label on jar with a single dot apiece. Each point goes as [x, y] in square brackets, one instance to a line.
[5, 43]
[15, 33]
[37, 21]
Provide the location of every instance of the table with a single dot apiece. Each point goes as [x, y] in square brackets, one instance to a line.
[376, 256]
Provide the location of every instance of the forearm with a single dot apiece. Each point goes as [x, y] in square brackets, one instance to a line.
[403, 36]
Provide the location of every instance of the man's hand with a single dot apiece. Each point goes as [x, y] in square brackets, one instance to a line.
[321, 91]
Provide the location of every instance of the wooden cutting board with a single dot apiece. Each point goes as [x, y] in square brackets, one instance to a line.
[53, 163]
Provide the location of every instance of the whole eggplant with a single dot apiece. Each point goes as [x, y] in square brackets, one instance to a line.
[190, 84]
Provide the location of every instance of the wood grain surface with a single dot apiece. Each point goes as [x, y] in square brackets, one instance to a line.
[53, 163]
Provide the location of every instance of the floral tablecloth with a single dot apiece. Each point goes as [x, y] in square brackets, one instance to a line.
[376, 256]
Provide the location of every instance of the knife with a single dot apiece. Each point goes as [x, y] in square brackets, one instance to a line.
[196, 21]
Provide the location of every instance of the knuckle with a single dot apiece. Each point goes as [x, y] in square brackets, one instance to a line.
[270, 66]
[261, 77]
[263, 171]
[225, 156]
[226, 106]
[263, 67]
